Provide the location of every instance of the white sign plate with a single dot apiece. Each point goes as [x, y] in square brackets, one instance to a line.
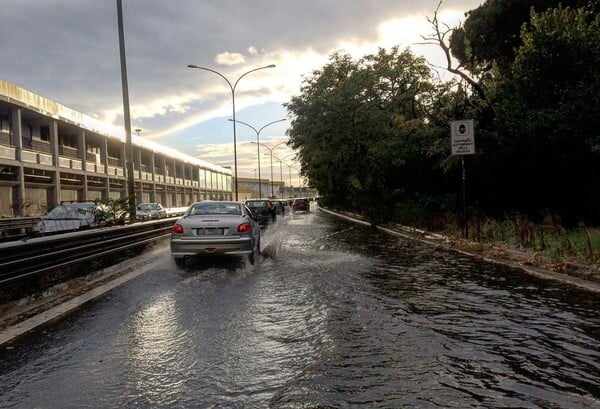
[463, 137]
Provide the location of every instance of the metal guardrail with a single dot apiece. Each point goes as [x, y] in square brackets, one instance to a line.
[27, 258]
[16, 228]
[18, 222]
[7, 224]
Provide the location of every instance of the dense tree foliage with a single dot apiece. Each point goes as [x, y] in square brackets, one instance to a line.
[548, 115]
[361, 131]
[491, 34]
[373, 135]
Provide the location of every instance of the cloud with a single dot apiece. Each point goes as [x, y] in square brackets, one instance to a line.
[54, 59]
[228, 58]
[247, 155]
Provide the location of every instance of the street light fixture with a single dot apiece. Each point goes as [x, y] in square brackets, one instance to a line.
[232, 87]
[258, 146]
[298, 170]
[290, 177]
[270, 153]
[280, 168]
[137, 131]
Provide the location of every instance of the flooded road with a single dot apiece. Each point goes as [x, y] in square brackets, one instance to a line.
[336, 315]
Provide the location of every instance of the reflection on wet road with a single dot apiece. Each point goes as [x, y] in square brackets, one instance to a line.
[335, 315]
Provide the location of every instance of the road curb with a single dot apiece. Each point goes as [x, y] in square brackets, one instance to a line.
[537, 272]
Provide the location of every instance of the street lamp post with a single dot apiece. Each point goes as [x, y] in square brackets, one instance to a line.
[258, 146]
[271, 153]
[290, 177]
[232, 87]
[298, 176]
[126, 115]
[280, 167]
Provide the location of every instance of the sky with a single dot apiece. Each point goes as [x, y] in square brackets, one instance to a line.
[68, 51]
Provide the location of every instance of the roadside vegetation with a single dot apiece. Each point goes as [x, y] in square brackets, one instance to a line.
[111, 211]
[373, 134]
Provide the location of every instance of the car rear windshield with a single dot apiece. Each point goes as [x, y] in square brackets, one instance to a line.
[147, 206]
[216, 208]
[257, 203]
[71, 211]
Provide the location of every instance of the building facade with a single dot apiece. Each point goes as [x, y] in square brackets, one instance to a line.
[251, 189]
[50, 153]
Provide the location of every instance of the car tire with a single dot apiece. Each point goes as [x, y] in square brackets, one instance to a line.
[179, 262]
[252, 256]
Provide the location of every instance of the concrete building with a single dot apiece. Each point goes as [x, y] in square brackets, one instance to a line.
[50, 153]
[249, 188]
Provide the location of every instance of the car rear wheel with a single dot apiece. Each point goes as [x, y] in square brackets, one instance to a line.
[252, 256]
[180, 262]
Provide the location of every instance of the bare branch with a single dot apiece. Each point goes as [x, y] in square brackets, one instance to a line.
[439, 38]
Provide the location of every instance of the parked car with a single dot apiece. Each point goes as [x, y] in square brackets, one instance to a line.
[301, 204]
[68, 216]
[263, 209]
[145, 211]
[215, 228]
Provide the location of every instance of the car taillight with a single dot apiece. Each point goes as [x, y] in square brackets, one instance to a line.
[178, 228]
[244, 227]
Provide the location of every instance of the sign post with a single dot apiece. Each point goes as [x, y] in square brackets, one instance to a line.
[463, 143]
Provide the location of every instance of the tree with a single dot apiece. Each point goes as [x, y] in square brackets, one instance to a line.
[490, 34]
[111, 212]
[361, 130]
[547, 111]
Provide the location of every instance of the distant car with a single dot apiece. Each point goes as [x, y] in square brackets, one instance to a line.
[215, 228]
[301, 204]
[279, 206]
[263, 209]
[145, 211]
[68, 216]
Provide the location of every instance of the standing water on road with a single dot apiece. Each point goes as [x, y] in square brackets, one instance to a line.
[336, 315]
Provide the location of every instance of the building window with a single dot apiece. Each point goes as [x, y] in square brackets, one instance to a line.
[4, 124]
[44, 133]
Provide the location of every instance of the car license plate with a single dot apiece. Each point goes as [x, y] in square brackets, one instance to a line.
[211, 231]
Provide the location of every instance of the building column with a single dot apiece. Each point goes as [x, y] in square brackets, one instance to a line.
[104, 161]
[18, 192]
[138, 161]
[125, 191]
[153, 193]
[83, 193]
[54, 198]
[163, 164]
[174, 198]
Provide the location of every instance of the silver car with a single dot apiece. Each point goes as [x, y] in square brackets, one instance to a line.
[211, 228]
[146, 211]
[68, 216]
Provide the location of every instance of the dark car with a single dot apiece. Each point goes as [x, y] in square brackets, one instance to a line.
[301, 204]
[279, 206]
[263, 209]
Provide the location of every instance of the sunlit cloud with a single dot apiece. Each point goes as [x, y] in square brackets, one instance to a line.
[247, 158]
[228, 58]
[277, 84]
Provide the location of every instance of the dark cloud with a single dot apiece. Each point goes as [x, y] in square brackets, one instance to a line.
[68, 50]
